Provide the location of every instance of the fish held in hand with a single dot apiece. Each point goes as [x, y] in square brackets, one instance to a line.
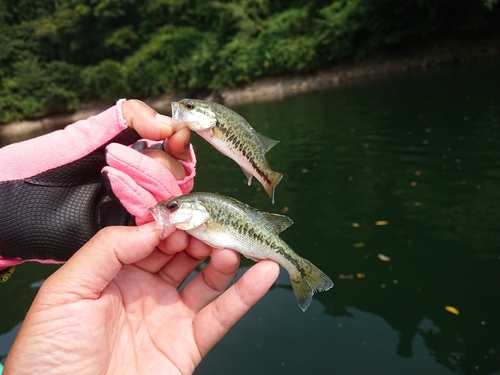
[233, 136]
[224, 222]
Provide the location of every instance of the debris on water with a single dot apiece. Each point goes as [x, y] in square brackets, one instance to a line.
[452, 310]
[351, 276]
[358, 245]
[304, 170]
[380, 223]
[383, 258]
[417, 173]
[413, 183]
[347, 276]
[285, 210]
[355, 225]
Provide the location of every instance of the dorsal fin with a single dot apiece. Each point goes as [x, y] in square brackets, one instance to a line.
[277, 222]
[266, 142]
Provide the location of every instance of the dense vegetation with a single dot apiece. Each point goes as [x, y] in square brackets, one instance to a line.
[56, 55]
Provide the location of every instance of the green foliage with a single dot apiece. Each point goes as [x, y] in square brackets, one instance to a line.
[174, 58]
[105, 81]
[55, 55]
[36, 89]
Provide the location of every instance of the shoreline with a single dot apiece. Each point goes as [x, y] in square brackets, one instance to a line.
[404, 59]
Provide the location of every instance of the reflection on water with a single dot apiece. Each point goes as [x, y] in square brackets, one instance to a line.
[418, 155]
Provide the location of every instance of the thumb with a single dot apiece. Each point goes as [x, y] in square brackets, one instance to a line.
[146, 121]
[91, 269]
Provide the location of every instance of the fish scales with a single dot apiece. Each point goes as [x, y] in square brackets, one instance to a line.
[233, 136]
[222, 216]
[224, 222]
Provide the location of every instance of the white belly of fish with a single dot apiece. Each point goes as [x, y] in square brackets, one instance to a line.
[227, 240]
[234, 154]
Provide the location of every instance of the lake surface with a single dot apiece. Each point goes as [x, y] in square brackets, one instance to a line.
[394, 188]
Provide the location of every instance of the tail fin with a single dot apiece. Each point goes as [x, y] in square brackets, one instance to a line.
[305, 286]
[274, 178]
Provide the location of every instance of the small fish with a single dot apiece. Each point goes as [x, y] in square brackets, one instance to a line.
[6, 273]
[224, 222]
[233, 136]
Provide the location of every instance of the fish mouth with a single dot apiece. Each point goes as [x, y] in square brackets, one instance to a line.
[175, 110]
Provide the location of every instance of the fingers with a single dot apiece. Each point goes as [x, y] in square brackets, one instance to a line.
[164, 252]
[178, 144]
[178, 268]
[168, 161]
[212, 280]
[213, 322]
[151, 125]
[146, 121]
[90, 269]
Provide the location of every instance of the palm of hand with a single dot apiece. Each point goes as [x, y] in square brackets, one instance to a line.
[130, 317]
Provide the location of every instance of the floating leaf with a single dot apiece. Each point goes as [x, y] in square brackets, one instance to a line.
[452, 310]
[358, 245]
[383, 257]
[379, 223]
[348, 276]
[6, 273]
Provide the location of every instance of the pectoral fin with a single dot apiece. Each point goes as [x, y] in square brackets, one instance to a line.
[248, 176]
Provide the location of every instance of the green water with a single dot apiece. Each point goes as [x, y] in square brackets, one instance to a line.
[419, 153]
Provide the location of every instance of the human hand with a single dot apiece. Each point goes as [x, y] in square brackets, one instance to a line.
[54, 197]
[115, 306]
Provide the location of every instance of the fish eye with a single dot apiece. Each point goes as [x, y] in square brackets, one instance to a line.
[172, 206]
[190, 104]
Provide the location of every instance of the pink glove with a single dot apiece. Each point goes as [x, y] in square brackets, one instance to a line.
[139, 182]
[58, 190]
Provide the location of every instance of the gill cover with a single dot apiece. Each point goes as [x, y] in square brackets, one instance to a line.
[197, 116]
[187, 215]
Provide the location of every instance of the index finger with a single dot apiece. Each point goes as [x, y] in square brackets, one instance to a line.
[213, 321]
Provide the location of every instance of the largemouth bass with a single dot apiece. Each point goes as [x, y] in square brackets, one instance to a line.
[233, 136]
[224, 222]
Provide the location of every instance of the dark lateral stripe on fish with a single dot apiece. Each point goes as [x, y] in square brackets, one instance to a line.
[234, 140]
[247, 230]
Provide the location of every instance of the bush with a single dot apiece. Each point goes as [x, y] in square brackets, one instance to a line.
[56, 54]
[174, 58]
[105, 81]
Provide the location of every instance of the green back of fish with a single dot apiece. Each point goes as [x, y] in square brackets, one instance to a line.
[233, 129]
[229, 214]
